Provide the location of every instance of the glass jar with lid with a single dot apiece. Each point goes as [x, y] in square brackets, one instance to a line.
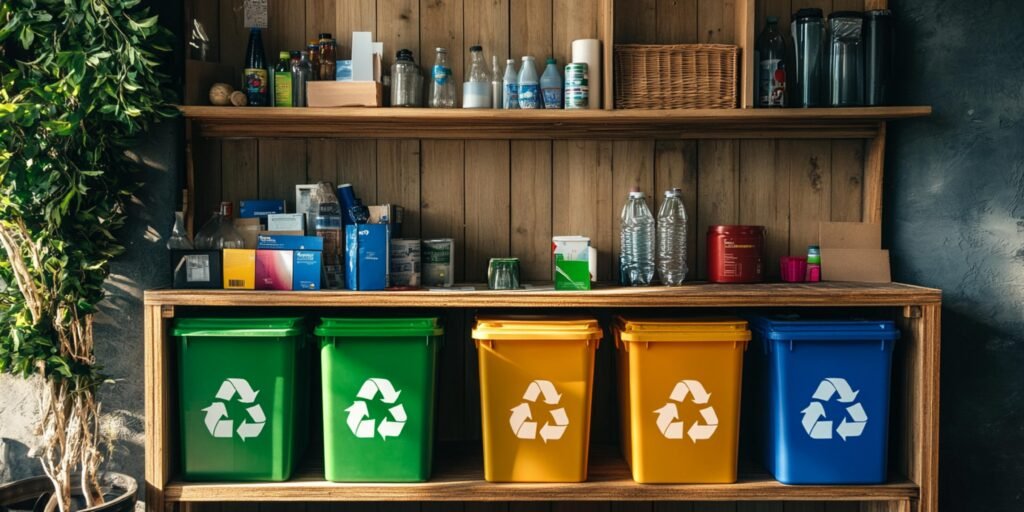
[405, 81]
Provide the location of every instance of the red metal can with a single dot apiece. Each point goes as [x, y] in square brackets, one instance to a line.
[736, 254]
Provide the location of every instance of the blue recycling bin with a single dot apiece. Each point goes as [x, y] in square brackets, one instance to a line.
[824, 402]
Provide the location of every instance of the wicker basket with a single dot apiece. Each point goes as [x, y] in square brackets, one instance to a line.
[675, 76]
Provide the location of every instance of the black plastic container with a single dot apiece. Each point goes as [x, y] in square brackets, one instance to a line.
[879, 35]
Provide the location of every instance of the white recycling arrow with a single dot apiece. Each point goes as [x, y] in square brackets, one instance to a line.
[216, 418]
[668, 414]
[370, 388]
[521, 419]
[358, 419]
[814, 422]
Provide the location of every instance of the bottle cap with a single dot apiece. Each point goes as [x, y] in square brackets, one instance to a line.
[551, 60]
[295, 53]
[404, 54]
[772, 20]
[510, 61]
[441, 50]
[476, 48]
[325, 35]
[313, 42]
[808, 13]
[675, 192]
[283, 54]
[846, 14]
[635, 192]
[526, 58]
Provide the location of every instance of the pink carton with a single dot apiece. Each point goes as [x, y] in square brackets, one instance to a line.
[274, 269]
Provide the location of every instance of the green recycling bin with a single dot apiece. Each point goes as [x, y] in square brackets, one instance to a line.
[378, 392]
[239, 383]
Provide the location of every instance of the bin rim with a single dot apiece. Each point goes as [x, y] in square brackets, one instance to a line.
[273, 327]
[792, 329]
[537, 328]
[410, 327]
[706, 329]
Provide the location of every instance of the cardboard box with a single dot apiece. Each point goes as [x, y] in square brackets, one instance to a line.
[852, 251]
[306, 270]
[274, 269]
[367, 258]
[239, 269]
[345, 94]
[304, 204]
[572, 262]
[362, 57]
[249, 229]
[196, 270]
[290, 222]
[260, 208]
[290, 242]
[391, 214]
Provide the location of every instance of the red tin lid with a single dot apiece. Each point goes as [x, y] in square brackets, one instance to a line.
[736, 230]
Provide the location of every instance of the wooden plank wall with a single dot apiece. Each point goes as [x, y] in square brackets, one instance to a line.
[499, 198]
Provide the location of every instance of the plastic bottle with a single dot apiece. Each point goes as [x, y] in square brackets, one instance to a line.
[302, 73]
[256, 79]
[551, 85]
[529, 85]
[219, 232]
[179, 235]
[283, 81]
[476, 92]
[672, 228]
[510, 100]
[451, 95]
[439, 78]
[495, 83]
[637, 260]
[771, 66]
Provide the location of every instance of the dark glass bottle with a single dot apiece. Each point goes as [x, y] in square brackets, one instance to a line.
[256, 78]
[771, 66]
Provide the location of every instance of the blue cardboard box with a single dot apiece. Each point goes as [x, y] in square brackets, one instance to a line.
[260, 208]
[306, 270]
[289, 242]
[367, 258]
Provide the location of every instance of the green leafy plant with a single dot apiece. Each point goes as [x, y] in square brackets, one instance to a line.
[81, 82]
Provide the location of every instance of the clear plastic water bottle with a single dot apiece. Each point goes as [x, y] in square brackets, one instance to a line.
[510, 100]
[529, 85]
[476, 92]
[672, 228]
[441, 89]
[551, 85]
[637, 260]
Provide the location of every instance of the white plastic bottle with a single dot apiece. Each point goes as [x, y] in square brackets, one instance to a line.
[551, 85]
[672, 227]
[637, 261]
[510, 100]
[529, 85]
[476, 92]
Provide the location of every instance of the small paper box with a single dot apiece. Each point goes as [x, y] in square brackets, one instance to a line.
[344, 94]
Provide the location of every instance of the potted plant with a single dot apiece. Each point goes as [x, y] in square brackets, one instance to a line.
[81, 81]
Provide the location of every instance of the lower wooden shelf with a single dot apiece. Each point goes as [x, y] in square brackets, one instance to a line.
[461, 479]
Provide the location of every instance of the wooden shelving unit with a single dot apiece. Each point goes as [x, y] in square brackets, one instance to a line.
[376, 123]
[497, 182]
[461, 479]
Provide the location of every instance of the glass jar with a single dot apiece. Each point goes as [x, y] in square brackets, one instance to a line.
[405, 81]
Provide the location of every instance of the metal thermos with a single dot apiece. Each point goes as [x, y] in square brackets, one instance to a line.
[846, 59]
[809, 35]
[879, 33]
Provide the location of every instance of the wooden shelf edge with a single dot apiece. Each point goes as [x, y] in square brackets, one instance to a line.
[859, 123]
[695, 295]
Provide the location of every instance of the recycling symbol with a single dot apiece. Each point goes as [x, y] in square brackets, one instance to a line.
[668, 414]
[359, 420]
[217, 420]
[814, 415]
[521, 421]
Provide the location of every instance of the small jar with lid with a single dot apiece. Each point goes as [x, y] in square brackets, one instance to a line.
[405, 81]
[328, 56]
[736, 254]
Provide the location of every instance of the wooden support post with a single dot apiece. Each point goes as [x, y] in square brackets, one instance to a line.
[606, 32]
[189, 201]
[158, 380]
[746, 17]
[874, 164]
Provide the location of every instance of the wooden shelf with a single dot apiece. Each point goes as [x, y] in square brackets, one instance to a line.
[418, 123]
[461, 479]
[693, 295]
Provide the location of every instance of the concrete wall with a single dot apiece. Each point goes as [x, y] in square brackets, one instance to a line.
[954, 210]
[954, 219]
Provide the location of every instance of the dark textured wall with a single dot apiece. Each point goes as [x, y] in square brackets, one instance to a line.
[954, 213]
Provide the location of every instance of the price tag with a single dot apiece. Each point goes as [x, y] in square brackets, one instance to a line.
[255, 13]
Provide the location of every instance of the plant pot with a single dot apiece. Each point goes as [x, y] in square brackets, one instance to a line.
[34, 493]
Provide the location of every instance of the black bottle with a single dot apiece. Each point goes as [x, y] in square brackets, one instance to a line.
[771, 66]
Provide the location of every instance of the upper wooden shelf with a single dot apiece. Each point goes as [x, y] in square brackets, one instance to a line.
[421, 123]
[461, 479]
[696, 295]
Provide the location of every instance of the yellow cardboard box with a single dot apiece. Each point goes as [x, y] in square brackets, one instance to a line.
[239, 269]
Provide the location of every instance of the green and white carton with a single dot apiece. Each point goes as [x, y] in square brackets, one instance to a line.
[572, 262]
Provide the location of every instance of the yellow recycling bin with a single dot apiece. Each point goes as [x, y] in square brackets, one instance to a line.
[679, 394]
[536, 382]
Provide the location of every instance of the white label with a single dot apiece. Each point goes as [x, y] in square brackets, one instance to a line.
[255, 14]
[197, 268]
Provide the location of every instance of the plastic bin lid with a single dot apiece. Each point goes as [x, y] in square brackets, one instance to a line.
[791, 327]
[238, 327]
[656, 330]
[378, 327]
[537, 328]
